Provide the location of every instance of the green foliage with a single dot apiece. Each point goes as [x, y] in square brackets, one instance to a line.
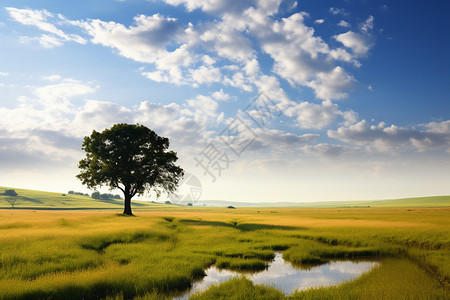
[131, 158]
[95, 195]
[11, 193]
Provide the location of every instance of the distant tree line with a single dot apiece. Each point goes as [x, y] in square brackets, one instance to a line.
[77, 193]
[97, 195]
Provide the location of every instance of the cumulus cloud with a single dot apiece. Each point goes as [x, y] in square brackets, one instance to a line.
[40, 19]
[332, 85]
[343, 23]
[433, 135]
[206, 75]
[57, 96]
[229, 43]
[145, 41]
[319, 116]
[220, 95]
[203, 109]
[188, 54]
[354, 41]
[303, 58]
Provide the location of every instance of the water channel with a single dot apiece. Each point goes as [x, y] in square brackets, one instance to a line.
[287, 278]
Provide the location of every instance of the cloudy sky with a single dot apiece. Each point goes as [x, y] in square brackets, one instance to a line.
[265, 100]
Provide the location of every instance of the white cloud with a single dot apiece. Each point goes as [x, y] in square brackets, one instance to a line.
[99, 115]
[367, 26]
[319, 116]
[319, 21]
[302, 58]
[270, 86]
[344, 24]
[56, 97]
[395, 138]
[4, 74]
[206, 75]
[229, 43]
[187, 54]
[146, 41]
[354, 41]
[240, 81]
[338, 11]
[54, 77]
[331, 85]
[203, 109]
[40, 19]
[220, 95]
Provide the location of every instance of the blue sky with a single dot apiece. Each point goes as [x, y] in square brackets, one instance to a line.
[361, 88]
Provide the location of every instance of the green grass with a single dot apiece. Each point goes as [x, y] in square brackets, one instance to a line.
[101, 254]
[393, 279]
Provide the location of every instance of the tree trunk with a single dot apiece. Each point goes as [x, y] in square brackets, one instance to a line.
[127, 209]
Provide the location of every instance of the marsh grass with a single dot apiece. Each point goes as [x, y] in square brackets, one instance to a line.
[239, 288]
[92, 254]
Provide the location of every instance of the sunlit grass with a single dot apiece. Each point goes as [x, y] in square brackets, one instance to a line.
[98, 254]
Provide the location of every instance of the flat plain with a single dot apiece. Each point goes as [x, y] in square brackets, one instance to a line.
[99, 253]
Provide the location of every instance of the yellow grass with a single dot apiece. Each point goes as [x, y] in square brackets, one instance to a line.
[76, 254]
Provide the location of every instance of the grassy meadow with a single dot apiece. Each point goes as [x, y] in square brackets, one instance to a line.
[100, 254]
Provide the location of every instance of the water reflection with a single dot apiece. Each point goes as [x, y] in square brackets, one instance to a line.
[287, 278]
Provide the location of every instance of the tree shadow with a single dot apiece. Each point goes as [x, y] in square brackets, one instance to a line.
[30, 199]
[242, 227]
[110, 201]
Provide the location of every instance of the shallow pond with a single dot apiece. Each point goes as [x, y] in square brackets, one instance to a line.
[287, 278]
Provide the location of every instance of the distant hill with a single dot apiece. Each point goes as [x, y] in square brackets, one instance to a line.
[434, 201]
[48, 200]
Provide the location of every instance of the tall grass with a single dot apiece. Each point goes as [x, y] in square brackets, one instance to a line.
[92, 254]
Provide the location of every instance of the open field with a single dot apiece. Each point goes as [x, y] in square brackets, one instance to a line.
[98, 253]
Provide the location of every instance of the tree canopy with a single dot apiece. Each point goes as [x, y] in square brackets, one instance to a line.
[132, 158]
[11, 193]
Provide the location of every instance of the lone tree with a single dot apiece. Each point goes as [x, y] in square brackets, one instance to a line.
[11, 197]
[131, 158]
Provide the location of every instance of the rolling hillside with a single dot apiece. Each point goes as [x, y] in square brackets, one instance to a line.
[40, 200]
[48, 200]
